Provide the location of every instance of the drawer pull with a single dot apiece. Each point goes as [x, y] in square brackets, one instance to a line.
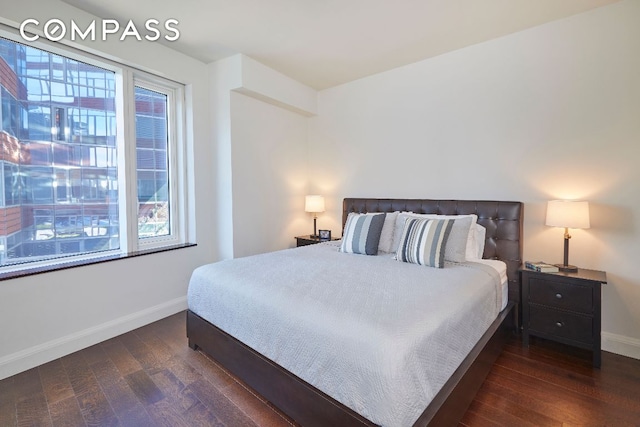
[559, 324]
[559, 296]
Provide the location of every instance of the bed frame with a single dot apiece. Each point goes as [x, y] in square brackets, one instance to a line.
[311, 407]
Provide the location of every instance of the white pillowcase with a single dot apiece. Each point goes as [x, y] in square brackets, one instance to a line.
[397, 230]
[387, 234]
[480, 234]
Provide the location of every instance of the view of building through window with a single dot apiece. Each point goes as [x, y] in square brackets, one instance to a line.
[59, 157]
[151, 154]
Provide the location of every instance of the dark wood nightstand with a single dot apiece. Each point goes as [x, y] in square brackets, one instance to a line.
[563, 307]
[308, 240]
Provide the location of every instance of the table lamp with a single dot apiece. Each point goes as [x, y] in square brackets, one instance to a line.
[314, 204]
[567, 214]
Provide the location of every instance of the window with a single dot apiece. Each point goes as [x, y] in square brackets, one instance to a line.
[68, 150]
[152, 163]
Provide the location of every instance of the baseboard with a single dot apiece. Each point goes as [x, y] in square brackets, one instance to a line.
[620, 344]
[42, 353]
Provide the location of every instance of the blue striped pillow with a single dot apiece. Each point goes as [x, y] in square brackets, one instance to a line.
[423, 241]
[362, 233]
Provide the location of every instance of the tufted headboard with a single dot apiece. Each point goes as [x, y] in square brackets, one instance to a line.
[503, 221]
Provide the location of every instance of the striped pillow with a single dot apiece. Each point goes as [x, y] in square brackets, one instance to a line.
[362, 233]
[423, 241]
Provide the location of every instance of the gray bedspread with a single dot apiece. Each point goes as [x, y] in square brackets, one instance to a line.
[378, 335]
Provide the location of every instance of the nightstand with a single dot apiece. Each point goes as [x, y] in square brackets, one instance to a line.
[563, 307]
[308, 240]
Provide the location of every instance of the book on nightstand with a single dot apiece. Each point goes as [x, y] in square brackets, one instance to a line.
[540, 266]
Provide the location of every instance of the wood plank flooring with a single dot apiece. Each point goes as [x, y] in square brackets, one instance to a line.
[149, 377]
[550, 384]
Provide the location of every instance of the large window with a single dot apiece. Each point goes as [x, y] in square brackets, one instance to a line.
[75, 133]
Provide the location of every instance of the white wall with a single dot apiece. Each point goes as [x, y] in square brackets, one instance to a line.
[259, 123]
[269, 176]
[225, 75]
[52, 314]
[550, 112]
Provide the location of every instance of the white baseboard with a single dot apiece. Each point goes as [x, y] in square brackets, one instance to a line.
[42, 353]
[620, 344]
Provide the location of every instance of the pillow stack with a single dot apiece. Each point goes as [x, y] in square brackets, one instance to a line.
[425, 239]
[467, 238]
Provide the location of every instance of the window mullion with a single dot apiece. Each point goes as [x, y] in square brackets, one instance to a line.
[179, 176]
[128, 193]
[172, 160]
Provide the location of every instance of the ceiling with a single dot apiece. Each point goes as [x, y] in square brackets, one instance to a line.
[324, 43]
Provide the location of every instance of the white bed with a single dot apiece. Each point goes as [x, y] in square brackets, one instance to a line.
[377, 335]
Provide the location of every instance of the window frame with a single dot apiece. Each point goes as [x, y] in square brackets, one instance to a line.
[175, 129]
[127, 77]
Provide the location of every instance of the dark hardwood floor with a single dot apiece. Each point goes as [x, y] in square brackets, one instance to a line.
[550, 384]
[149, 377]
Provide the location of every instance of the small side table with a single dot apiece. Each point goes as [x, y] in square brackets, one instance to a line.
[309, 240]
[564, 307]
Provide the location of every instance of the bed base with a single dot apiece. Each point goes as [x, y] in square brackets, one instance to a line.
[309, 406]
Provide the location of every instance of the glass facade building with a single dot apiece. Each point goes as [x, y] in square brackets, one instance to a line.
[59, 157]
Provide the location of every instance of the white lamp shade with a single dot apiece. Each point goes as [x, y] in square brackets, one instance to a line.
[314, 204]
[568, 214]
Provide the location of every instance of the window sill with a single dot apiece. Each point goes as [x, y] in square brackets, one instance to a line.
[81, 263]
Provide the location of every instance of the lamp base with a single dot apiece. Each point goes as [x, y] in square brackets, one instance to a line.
[567, 268]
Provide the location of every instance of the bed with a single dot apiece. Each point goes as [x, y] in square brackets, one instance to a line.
[300, 394]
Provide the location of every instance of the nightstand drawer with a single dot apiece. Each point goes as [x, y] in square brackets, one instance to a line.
[561, 324]
[562, 295]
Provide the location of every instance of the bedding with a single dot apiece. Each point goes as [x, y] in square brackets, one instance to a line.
[480, 234]
[501, 268]
[379, 336]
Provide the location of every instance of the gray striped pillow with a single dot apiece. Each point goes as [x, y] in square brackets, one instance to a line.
[362, 233]
[424, 241]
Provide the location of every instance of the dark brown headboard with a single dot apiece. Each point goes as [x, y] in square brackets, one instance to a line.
[503, 221]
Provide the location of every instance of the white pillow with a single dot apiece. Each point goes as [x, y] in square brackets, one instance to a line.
[480, 234]
[471, 247]
[397, 230]
[388, 229]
